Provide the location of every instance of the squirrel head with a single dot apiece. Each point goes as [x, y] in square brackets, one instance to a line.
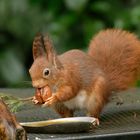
[46, 68]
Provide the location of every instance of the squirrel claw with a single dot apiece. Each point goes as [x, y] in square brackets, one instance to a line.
[96, 122]
[35, 101]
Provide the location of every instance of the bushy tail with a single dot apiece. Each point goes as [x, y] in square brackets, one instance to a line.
[118, 54]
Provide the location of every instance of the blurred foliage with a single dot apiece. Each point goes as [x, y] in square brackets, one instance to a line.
[14, 104]
[70, 23]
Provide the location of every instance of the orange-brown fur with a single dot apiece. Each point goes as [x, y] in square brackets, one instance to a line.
[86, 80]
[117, 53]
[9, 125]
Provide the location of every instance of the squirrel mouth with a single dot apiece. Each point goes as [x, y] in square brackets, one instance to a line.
[41, 90]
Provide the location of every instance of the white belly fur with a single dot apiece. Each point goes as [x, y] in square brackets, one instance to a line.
[78, 102]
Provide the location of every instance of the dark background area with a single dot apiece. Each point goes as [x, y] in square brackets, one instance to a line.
[70, 23]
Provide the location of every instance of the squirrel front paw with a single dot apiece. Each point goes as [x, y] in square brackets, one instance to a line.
[35, 101]
[50, 101]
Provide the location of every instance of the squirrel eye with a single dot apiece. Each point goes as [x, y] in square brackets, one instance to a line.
[46, 72]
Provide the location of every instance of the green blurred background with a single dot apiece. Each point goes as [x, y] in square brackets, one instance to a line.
[70, 23]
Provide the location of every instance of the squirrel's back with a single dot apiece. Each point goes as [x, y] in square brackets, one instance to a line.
[117, 53]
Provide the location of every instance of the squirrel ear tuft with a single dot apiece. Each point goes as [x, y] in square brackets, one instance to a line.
[49, 48]
[38, 46]
[50, 52]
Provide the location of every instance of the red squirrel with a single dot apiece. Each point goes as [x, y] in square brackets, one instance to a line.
[80, 80]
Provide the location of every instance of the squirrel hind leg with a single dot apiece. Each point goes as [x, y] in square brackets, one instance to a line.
[63, 111]
[98, 97]
[94, 109]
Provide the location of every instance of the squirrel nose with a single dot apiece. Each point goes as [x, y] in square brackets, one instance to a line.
[36, 84]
